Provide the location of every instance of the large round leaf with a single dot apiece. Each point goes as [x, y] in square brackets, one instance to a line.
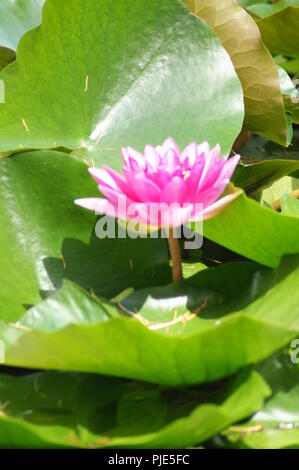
[254, 231]
[267, 8]
[280, 30]
[276, 425]
[265, 113]
[99, 76]
[45, 237]
[73, 410]
[198, 331]
[261, 175]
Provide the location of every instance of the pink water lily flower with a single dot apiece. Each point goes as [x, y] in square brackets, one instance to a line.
[190, 182]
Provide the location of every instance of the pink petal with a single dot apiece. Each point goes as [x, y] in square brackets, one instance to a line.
[111, 194]
[138, 211]
[210, 195]
[218, 206]
[152, 157]
[209, 160]
[197, 213]
[203, 148]
[229, 168]
[133, 159]
[171, 161]
[190, 153]
[161, 177]
[129, 176]
[145, 189]
[102, 176]
[121, 182]
[168, 144]
[176, 216]
[215, 152]
[193, 176]
[174, 191]
[97, 205]
[212, 175]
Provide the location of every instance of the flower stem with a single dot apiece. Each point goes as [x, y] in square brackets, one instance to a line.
[175, 253]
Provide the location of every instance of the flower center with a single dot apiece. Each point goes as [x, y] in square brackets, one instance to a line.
[186, 174]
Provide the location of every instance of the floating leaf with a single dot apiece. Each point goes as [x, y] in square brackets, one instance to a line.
[276, 425]
[199, 331]
[77, 410]
[291, 66]
[253, 231]
[280, 30]
[261, 175]
[265, 113]
[131, 75]
[263, 8]
[45, 237]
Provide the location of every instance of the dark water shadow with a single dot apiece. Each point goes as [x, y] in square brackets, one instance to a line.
[108, 266]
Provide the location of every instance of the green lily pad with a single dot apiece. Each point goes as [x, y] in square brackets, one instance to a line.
[263, 8]
[46, 238]
[261, 175]
[239, 34]
[254, 231]
[276, 425]
[291, 66]
[131, 75]
[280, 30]
[200, 330]
[88, 411]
